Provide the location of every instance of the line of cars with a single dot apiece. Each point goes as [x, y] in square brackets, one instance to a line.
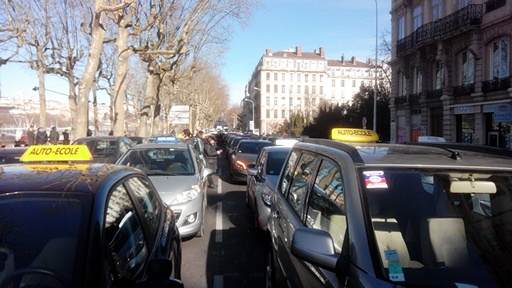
[361, 214]
[111, 215]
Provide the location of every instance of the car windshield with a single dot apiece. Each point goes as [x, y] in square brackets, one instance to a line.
[47, 238]
[275, 162]
[429, 233]
[101, 147]
[160, 161]
[252, 147]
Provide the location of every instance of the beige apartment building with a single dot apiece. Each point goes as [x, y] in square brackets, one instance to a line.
[451, 63]
[289, 81]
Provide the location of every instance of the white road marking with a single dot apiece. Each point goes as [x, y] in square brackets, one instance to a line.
[219, 185]
[218, 281]
[218, 224]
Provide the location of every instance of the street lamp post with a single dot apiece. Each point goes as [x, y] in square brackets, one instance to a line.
[247, 99]
[376, 59]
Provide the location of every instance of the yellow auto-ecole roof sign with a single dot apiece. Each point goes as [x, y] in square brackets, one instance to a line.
[56, 153]
[354, 135]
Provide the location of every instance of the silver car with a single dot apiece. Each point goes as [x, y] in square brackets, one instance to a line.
[262, 178]
[179, 178]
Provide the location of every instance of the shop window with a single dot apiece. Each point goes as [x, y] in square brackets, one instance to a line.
[467, 68]
[500, 58]
[465, 128]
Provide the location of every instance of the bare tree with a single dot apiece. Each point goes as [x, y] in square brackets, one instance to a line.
[34, 19]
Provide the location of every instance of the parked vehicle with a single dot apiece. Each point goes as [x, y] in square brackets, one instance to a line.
[243, 154]
[106, 149]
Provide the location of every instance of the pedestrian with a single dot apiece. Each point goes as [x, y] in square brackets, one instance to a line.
[89, 132]
[31, 135]
[65, 137]
[111, 133]
[41, 136]
[54, 136]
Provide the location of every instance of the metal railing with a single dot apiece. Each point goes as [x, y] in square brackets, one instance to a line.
[467, 18]
[492, 5]
[496, 85]
[463, 90]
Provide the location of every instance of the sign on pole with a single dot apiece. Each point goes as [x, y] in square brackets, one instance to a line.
[180, 114]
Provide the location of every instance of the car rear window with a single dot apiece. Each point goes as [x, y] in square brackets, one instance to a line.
[45, 236]
[252, 147]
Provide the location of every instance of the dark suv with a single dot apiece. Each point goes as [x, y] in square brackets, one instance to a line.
[386, 215]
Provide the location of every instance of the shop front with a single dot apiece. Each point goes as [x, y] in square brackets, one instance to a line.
[465, 123]
[498, 125]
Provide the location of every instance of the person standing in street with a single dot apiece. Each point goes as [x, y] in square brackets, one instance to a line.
[41, 136]
[31, 135]
[54, 136]
[65, 136]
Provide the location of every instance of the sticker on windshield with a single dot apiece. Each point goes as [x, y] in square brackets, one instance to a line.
[395, 271]
[375, 180]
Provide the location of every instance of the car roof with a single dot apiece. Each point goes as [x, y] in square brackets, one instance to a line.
[160, 145]
[418, 155]
[277, 148]
[92, 138]
[13, 150]
[255, 141]
[83, 178]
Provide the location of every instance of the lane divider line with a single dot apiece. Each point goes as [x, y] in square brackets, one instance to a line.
[218, 281]
[219, 185]
[218, 224]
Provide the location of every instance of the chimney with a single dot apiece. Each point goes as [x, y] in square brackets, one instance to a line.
[353, 60]
[268, 52]
[322, 52]
[298, 51]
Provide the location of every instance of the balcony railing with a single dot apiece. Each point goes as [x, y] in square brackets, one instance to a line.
[434, 94]
[463, 90]
[492, 5]
[414, 99]
[400, 100]
[496, 85]
[458, 22]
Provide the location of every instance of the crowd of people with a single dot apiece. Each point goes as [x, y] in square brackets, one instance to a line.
[40, 136]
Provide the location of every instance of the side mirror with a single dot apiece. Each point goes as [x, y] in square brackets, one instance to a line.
[251, 170]
[158, 272]
[314, 246]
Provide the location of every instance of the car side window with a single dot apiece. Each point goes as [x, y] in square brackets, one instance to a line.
[123, 146]
[299, 188]
[326, 205]
[147, 199]
[126, 247]
[288, 172]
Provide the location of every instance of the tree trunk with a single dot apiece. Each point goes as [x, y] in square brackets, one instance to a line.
[86, 82]
[72, 104]
[148, 107]
[42, 98]
[95, 110]
[120, 78]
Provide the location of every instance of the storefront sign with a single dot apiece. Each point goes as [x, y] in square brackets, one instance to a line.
[466, 109]
[502, 112]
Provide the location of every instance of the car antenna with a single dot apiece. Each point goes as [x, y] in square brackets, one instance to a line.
[453, 154]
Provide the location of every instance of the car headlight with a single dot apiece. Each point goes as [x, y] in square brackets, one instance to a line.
[186, 196]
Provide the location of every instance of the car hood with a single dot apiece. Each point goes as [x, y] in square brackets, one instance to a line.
[168, 186]
[272, 181]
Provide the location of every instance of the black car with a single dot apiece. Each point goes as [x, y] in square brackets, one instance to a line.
[389, 215]
[11, 155]
[85, 225]
[106, 149]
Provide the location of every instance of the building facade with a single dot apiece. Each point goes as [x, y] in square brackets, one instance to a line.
[286, 82]
[451, 63]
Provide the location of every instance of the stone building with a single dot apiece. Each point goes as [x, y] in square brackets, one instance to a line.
[289, 81]
[451, 68]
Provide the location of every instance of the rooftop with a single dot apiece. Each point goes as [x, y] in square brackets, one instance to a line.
[84, 178]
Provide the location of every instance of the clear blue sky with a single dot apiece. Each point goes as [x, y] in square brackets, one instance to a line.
[340, 26]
